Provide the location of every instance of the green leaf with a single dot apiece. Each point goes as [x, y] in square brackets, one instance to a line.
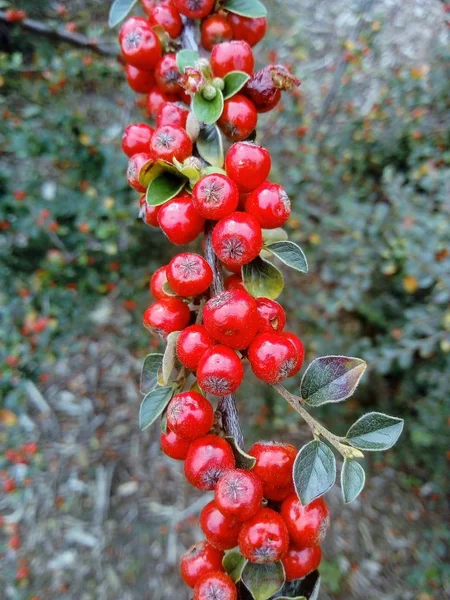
[375, 431]
[234, 82]
[163, 188]
[300, 589]
[331, 379]
[314, 471]
[289, 253]
[274, 235]
[262, 581]
[170, 356]
[210, 145]
[243, 460]
[186, 58]
[353, 478]
[207, 111]
[246, 8]
[149, 373]
[188, 170]
[153, 405]
[164, 422]
[261, 278]
[119, 10]
[234, 563]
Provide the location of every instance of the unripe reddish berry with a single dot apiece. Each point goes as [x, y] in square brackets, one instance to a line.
[271, 315]
[299, 563]
[214, 30]
[166, 315]
[307, 525]
[168, 17]
[172, 114]
[208, 459]
[248, 165]
[135, 165]
[192, 343]
[215, 585]
[237, 239]
[215, 196]
[234, 282]
[239, 494]
[299, 348]
[239, 118]
[194, 9]
[221, 531]
[140, 45]
[139, 81]
[231, 317]
[170, 142]
[220, 371]
[251, 30]
[232, 56]
[190, 415]
[158, 279]
[173, 446]
[189, 274]
[149, 214]
[274, 464]
[179, 220]
[273, 358]
[264, 538]
[270, 204]
[156, 98]
[167, 74]
[136, 138]
[199, 560]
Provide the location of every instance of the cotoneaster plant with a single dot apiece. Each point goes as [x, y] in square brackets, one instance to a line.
[202, 172]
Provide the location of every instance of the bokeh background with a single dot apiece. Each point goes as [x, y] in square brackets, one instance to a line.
[89, 507]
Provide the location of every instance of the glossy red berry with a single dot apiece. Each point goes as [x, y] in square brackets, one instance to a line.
[167, 74]
[264, 538]
[234, 282]
[299, 563]
[179, 220]
[189, 274]
[270, 204]
[194, 9]
[149, 214]
[273, 358]
[215, 196]
[220, 371]
[248, 165]
[221, 531]
[139, 81]
[136, 138]
[237, 239]
[274, 463]
[250, 30]
[170, 142]
[157, 281]
[172, 114]
[190, 415]
[239, 494]
[214, 30]
[307, 525]
[168, 17]
[135, 170]
[271, 315]
[166, 315]
[214, 586]
[299, 349]
[239, 118]
[232, 56]
[149, 5]
[208, 459]
[192, 343]
[173, 446]
[155, 100]
[200, 559]
[140, 45]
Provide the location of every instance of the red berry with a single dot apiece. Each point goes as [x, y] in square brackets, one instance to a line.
[167, 74]
[214, 586]
[231, 317]
[190, 415]
[199, 560]
[140, 45]
[174, 446]
[299, 563]
[234, 282]
[156, 98]
[261, 90]
[237, 239]
[264, 538]
[30, 448]
[208, 459]
[299, 349]
[221, 531]
[139, 81]
[150, 5]
[194, 9]
[245, 28]
[172, 114]
[248, 165]
[189, 274]
[192, 343]
[220, 371]
[14, 542]
[9, 486]
[215, 196]
[158, 279]
[168, 17]
[239, 118]
[179, 220]
[239, 494]
[271, 315]
[274, 463]
[135, 169]
[273, 358]
[215, 29]
[307, 525]
[270, 204]
[232, 56]
[149, 214]
[166, 315]
[170, 142]
[136, 138]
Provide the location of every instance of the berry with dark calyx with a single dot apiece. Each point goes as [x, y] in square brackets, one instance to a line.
[274, 464]
[136, 138]
[149, 214]
[299, 563]
[264, 538]
[166, 315]
[273, 358]
[140, 45]
[299, 349]
[167, 74]
[270, 204]
[179, 220]
[155, 100]
[172, 114]
[139, 81]
[168, 17]
[251, 30]
[157, 281]
[189, 274]
[220, 530]
[170, 142]
[194, 9]
[200, 559]
[173, 446]
[220, 371]
[215, 586]
[265, 86]
[248, 165]
[239, 494]
[214, 30]
[192, 343]
[239, 118]
[230, 56]
[190, 415]
[271, 315]
[237, 239]
[234, 282]
[208, 459]
[307, 525]
[215, 196]
[135, 165]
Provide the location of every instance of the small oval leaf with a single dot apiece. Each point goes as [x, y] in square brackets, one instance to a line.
[234, 563]
[314, 471]
[163, 188]
[243, 460]
[299, 589]
[149, 373]
[246, 8]
[207, 111]
[375, 431]
[210, 145]
[170, 356]
[262, 581]
[353, 478]
[153, 405]
[186, 58]
[289, 253]
[234, 82]
[262, 279]
[119, 10]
